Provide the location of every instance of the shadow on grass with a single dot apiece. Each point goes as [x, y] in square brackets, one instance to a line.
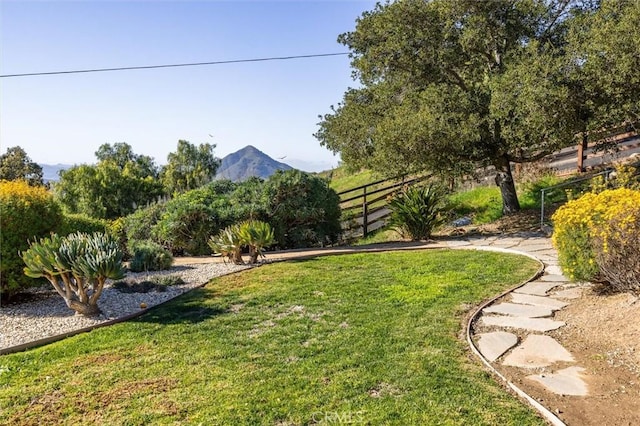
[190, 308]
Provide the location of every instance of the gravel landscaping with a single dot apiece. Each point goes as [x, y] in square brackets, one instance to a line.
[46, 313]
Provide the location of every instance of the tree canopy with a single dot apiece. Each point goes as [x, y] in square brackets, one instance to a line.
[190, 167]
[15, 164]
[448, 86]
[120, 182]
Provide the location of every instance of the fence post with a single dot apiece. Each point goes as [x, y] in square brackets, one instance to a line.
[542, 209]
[365, 219]
[582, 148]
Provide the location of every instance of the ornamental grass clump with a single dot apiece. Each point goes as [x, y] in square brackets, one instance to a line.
[77, 266]
[597, 237]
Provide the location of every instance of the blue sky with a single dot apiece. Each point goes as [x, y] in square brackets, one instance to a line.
[271, 105]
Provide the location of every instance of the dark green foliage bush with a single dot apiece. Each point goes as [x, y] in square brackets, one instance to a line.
[80, 223]
[189, 219]
[26, 213]
[149, 256]
[138, 225]
[302, 210]
[417, 210]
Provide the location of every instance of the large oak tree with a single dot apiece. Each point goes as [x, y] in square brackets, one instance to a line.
[450, 85]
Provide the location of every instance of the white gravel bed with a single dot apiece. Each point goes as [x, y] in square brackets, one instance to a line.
[48, 315]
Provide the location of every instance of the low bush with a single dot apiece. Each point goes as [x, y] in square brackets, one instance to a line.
[417, 211]
[26, 213]
[591, 232]
[72, 223]
[616, 245]
[302, 209]
[149, 256]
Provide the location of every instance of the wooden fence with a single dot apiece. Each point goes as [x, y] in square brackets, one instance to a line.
[364, 208]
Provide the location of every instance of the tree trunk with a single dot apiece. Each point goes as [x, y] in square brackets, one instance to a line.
[86, 309]
[504, 180]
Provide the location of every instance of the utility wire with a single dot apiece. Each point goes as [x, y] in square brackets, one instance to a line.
[194, 64]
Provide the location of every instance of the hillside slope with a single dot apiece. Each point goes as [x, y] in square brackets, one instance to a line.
[248, 162]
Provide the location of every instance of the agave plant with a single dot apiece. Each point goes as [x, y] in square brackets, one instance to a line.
[229, 244]
[257, 235]
[77, 266]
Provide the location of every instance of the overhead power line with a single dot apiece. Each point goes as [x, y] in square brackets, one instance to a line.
[193, 64]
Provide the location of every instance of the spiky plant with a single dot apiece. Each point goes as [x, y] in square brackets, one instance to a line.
[77, 266]
[257, 235]
[228, 243]
[417, 211]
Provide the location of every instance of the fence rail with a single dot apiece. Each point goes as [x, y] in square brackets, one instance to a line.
[367, 211]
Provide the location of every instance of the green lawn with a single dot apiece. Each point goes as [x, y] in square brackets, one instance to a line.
[365, 338]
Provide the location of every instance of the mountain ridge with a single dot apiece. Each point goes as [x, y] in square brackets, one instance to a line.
[249, 162]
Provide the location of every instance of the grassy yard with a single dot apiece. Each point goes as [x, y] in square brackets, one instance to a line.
[360, 339]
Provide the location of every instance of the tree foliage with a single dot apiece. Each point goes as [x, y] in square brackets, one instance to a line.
[190, 167]
[116, 186]
[452, 85]
[15, 164]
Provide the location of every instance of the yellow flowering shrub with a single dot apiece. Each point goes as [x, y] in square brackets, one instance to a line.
[26, 212]
[585, 228]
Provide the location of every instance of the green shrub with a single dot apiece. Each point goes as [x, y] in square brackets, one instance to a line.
[583, 227]
[138, 226]
[26, 213]
[417, 211]
[302, 209]
[77, 266]
[190, 218]
[149, 256]
[616, 244]
[72, 223]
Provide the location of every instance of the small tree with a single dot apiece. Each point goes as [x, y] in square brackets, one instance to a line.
[15, 164]
[77, 266]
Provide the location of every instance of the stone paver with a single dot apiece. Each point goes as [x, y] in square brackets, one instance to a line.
[570, 293]
[531, 324]
[529, 299]
[553, 270]
[493, 345]
[554, 278]
[519, 310]
[537, 288]
[563, 382]
[537, 351]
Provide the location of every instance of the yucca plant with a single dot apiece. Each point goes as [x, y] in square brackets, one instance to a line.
[257, 235]
[228, 243]
[77, 266]
[417, 211]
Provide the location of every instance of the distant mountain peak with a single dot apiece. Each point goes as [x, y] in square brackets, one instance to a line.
[248, 162]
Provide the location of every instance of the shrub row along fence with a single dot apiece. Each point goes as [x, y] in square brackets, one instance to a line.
[364, 208]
